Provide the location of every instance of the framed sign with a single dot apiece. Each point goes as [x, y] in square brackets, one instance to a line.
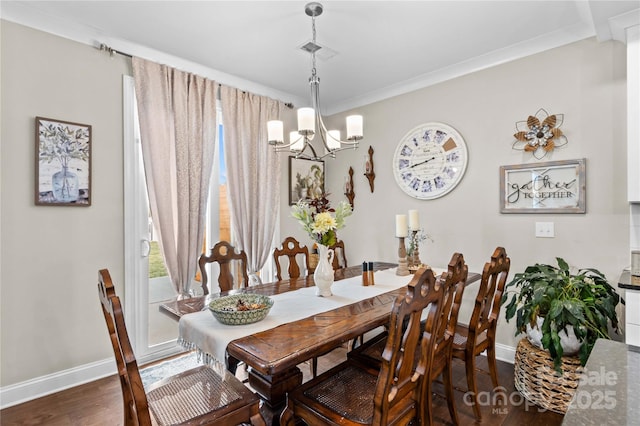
[63, 163]
[552, 187]
[306, 179]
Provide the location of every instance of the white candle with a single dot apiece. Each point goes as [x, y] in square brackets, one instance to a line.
[401, 225]
[414, 220]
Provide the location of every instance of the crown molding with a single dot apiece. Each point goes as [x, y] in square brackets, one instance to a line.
[516, 51]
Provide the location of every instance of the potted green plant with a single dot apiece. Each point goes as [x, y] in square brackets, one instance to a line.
[584, 302]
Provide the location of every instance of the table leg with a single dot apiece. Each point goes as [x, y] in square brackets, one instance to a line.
[273, 391]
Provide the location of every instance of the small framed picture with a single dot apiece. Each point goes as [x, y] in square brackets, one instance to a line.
[63, 163]
[551, 187]
[306, 179]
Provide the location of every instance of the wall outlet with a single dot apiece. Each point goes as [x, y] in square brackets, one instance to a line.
[544, 230]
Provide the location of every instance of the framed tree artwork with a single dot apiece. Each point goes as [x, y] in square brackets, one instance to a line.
[63, 163]
[306, 179]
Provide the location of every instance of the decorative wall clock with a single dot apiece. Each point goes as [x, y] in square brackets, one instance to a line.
[430, 161]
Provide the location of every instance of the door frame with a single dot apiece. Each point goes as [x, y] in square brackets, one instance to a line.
[137, 237]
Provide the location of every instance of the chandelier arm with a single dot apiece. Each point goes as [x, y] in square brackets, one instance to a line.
[315, 100]
[307, 144]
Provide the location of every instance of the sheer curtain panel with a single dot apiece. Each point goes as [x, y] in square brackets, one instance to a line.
[177, 114]
[253, 173]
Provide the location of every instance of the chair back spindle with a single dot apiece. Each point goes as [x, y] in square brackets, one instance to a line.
[340, 256]
[134, 398]
[226, 256]
[292, 249]
[408, 353]
[484, 317]
[480, 334]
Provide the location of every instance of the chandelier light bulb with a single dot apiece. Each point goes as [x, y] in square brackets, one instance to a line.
[306, 120]
[333, 139]
[354, 127]
[275, 131]
[297, 141]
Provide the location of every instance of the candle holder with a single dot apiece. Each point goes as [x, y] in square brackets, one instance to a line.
[403, 267]
[348, 188]
[368, 168]
[414, 260]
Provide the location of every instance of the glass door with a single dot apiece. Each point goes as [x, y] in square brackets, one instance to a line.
[147, 283]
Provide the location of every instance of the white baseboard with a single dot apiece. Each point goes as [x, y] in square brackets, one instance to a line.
[55, 382]
[45, 385]
[51, 383]
[505, 353]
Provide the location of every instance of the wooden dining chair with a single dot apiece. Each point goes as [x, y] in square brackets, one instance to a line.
[480, 335]
[339, 255]
[197, 396]
[292, 249]
[453, 282]
[226, 256]
[355, 394]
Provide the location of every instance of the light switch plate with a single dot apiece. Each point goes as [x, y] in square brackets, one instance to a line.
[545, 230]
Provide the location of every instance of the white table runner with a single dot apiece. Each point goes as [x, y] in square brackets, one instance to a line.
[203, 332]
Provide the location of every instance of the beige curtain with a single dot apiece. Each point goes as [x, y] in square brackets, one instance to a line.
[253, 173]
[177, 113]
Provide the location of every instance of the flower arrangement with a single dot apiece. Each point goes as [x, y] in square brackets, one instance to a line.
[320, 220]
[414, 241]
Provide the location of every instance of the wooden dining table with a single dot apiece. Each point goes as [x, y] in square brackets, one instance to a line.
[178, 307]
[272, 355]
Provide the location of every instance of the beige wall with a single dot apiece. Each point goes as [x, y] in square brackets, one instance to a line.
[50, 316]
[585, 81]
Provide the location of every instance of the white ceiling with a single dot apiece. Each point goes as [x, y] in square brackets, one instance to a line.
[382, 48]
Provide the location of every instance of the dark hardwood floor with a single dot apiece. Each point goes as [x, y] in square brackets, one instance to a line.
[100, 402]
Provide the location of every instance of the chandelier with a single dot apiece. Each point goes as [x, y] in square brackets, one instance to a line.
[308, 118]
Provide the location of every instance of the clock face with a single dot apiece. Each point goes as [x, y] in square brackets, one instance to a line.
[430, 161]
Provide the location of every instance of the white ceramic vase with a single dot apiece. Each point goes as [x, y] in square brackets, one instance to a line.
[568, 340]
[323, 275]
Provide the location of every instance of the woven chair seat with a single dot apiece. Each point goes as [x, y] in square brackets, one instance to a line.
[459, 340]
[193, 394]
[349, 392]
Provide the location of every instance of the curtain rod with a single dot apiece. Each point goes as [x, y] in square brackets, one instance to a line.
[111, 51]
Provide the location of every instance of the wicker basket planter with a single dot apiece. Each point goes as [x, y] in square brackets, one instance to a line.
[538, 382]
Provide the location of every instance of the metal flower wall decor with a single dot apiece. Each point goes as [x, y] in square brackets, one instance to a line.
[540, 134]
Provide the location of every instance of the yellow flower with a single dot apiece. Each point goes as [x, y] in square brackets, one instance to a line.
[323, 222]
